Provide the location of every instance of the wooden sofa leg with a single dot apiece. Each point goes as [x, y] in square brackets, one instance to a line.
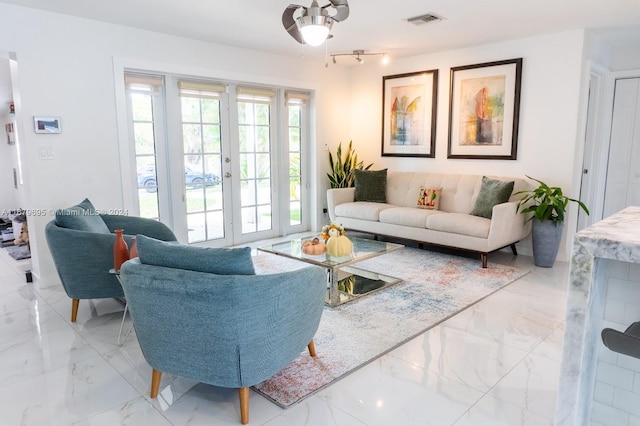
[74, 309]
[484, 256]
[155, 382]
[244, 405]
[312, 349]
[513, 249]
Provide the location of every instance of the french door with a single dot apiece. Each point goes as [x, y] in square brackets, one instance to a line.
[221, 163]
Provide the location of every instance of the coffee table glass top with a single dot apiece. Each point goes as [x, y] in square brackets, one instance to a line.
[344, 281]
[362, 249]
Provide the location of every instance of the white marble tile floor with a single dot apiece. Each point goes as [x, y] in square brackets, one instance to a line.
[496, 363]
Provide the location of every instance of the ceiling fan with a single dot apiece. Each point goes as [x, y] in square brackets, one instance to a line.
[313, 25]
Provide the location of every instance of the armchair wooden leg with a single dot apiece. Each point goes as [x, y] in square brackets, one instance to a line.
[244, 405]
[74, 309]
[484, 257]
[312, 348]
[513, 249]
[155, 382]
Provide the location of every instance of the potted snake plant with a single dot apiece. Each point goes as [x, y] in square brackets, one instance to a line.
[343, 170]
[547, 206]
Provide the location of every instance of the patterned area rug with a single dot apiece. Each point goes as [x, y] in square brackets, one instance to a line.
[435, 287]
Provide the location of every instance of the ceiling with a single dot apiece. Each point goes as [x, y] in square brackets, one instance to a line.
[373, 25]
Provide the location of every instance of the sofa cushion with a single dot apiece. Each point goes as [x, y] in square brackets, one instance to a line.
[492, 192]
[221, 261]
[460, 223]
[83, 217]
[407, 216]
[361, 210]
[429, 198]
[371, 185]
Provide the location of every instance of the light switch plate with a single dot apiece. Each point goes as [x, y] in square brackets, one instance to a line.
[45, 152]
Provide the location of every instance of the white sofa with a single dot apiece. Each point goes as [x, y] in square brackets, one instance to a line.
[451, 225]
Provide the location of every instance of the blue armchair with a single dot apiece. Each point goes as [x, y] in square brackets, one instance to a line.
[81, 245]
[231, 331]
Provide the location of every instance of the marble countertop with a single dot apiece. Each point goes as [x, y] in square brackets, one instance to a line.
[616, 237]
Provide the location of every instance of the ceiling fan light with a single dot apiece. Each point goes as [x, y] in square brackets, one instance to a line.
[314, 28]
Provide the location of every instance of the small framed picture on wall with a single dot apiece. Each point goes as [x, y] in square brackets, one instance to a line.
[46, 124]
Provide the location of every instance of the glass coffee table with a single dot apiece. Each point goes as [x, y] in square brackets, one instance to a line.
[345, 282]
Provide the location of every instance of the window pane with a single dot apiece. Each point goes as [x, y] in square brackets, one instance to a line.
[196, 227]
[294, 213]
[245, 113]
[143, 138]
[247, 167]
[263, 163]
[248, 220]
[141, 107]
[215, 225]
[213, 166]
[294, 116]
[210, 111]
[247, 193]
[263, 191]
[246, 139]
[211, 137]
[264, 218]
[191, 138]
[294, 189]
[262, 143]
[190, 110]
[148, 203]
[294, 139]
[262, 114]
[294, 164]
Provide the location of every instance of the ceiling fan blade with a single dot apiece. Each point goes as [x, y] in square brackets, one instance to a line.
[342, 9]
[289, 22]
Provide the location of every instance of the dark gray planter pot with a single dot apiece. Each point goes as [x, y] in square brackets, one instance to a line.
[546, 242]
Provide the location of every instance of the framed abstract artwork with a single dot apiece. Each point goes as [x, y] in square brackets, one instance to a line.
[409, 114]
[484, 106]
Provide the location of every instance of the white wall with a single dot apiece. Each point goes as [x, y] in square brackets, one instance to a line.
[66, 69]
[7, 152]
[549, 109]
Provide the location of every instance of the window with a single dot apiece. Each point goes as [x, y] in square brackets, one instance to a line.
[219, 162]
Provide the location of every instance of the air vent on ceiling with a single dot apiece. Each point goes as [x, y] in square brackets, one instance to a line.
[424, 19]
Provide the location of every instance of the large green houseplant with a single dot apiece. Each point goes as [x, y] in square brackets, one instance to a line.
[547, 206]
[343, 170]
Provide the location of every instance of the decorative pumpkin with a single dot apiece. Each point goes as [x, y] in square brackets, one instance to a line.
[339, 246]
[314, 247]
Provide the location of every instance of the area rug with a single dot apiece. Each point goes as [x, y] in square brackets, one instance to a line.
[19, 252]
[435, 287]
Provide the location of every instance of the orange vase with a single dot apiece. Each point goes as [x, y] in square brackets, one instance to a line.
[133, 251]
[120, 250]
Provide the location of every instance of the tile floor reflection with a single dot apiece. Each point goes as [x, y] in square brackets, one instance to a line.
[496, 363]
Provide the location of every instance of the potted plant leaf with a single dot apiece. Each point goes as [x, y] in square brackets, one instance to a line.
[548, 205]
[343, 170]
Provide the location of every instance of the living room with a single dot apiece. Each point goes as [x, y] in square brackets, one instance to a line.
[73, 68]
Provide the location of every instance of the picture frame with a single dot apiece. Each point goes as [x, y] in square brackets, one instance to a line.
[409, 114]
[484, 110]
[46, 124]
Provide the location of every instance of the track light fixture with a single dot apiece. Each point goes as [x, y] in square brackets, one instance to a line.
[358, 55]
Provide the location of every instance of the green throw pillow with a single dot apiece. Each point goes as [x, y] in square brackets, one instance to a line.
[82, 217]
[371, 185]
[221, 261]
[492, 192]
